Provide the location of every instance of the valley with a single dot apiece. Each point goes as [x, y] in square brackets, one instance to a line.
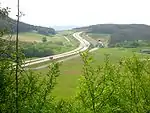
[54, 66]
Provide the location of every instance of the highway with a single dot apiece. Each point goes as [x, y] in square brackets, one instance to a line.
[84, 45]
[65, 59]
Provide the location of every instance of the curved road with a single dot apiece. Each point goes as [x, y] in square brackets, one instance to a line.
[84, 45]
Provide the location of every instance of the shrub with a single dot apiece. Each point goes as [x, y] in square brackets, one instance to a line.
[122, 87]
[108, 88]
[44, 39]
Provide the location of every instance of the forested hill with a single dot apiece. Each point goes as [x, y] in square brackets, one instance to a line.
[24, 27]
[121, 32]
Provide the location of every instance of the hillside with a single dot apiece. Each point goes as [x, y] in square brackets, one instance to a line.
[120, 32]
[24, 27]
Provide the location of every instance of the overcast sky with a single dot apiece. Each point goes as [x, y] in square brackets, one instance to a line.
[81, 12]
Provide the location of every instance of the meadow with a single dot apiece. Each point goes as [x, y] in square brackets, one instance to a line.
[71, 70]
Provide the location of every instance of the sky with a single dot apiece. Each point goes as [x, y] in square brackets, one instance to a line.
[81, 12]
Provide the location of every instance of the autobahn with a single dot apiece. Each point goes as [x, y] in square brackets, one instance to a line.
[84, 45]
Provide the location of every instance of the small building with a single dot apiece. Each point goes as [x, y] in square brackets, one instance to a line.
[147, 51]
[100, 44]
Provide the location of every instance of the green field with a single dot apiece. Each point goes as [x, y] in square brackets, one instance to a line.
[72, 69]
[35, 37]
[30, 37]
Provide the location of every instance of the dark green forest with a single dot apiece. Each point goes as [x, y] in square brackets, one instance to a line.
[120, 32]
[23, 27]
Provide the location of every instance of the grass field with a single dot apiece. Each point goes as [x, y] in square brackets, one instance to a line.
[30, 37]
[71, 70]
[34, 37]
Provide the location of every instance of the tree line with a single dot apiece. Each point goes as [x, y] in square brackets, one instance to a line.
[23, 27]
[121, 32]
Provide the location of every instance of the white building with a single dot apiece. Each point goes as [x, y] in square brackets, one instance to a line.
[100, 43]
